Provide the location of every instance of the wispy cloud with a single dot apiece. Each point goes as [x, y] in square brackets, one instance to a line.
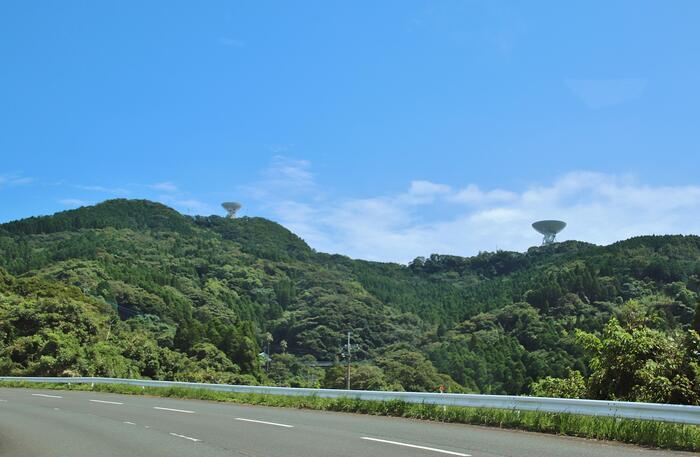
[600, 208]
[422, 192]
[473, 195]
[231, 42]
[427, 188]
[288, 171]
[189, 205]
[284, 178]
[280, 149]
[603, 93]
[72, 202]
[105, 190]
[166, 192]
[165, 186]
[13, 179]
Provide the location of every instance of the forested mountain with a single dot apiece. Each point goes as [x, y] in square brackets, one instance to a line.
[132, 288]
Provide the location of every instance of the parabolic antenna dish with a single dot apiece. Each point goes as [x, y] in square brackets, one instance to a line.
[549, 229]
[231, 208]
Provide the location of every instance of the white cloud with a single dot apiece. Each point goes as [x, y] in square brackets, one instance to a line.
[422, 192]
[231, 42]
[291, 172]
[165, 186]
[427, 188]
[474, 196]
[280, 148]
[498, 216]
[105, 190]
[165, 192]
[189, 205]
[11, 180]
[284, 178]
[599, 208]
[300, 219]
[72, 202]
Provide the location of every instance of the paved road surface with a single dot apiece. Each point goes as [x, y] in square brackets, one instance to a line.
[52, 423]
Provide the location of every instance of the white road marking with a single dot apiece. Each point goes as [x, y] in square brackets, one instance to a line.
[55, 409]
[108, 402]
[175, 410]
[185, 437]
[46, 396]
[416, 446]
[264, 422]
[130, 423]
[3, 401]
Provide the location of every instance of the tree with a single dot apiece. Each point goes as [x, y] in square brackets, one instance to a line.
[642, 364]
[290, 370]
[412, 370]
[362, 377]
[574, 386]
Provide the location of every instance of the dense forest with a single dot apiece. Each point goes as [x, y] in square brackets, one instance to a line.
[132, 288]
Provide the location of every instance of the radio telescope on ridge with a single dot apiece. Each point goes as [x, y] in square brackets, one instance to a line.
[231, 208]
[549, 229]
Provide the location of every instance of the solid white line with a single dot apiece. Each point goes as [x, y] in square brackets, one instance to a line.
[130, 423]
[175, 410]
[108, 402]
[185, 437]
[47, 396]
[416, 446]
[264, 422]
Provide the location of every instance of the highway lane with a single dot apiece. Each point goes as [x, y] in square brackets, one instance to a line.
[48, 423]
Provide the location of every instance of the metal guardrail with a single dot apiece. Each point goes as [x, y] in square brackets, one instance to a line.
[684, 414]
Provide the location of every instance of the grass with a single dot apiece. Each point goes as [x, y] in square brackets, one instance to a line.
[646, 433]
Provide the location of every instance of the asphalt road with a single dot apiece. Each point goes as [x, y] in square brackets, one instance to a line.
[52, 423]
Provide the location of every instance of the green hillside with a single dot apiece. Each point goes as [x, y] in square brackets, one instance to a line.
[132, 288]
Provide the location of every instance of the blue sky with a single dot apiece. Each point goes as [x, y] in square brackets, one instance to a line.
[381, 130]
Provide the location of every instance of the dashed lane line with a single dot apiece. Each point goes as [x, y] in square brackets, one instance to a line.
[46, 396]
[264, 422]
[174, 410]
[107, 402]
[415, 446]
[185, 437]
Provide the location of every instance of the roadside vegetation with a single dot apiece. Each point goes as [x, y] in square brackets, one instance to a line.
[133, 289]
[644, 433]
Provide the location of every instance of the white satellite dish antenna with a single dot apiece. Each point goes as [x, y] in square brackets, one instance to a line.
[549, 229]
[231, 208]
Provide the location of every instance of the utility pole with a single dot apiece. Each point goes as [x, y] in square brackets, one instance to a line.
[349, 351]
